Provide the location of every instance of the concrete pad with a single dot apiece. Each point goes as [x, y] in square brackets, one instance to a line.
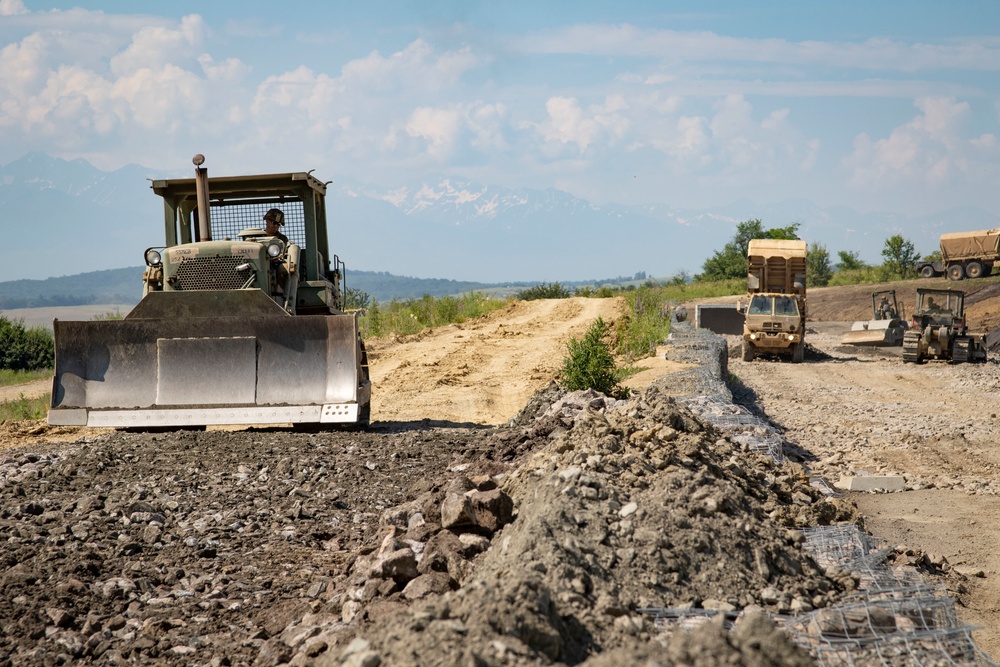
[872, 483]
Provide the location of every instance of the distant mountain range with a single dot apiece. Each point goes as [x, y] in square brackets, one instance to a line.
[69, 218]
[124, 287]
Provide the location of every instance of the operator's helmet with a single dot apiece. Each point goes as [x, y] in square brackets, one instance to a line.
[275, 215]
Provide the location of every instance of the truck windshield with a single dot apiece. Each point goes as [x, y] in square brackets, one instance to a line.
[760, 305]
[782, 306]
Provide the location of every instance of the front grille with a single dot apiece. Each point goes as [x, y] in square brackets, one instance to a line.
[217, 273]
[771, 325]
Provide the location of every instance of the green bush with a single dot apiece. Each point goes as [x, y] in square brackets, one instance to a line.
[25, 349]
[544, 291]
[589, 363]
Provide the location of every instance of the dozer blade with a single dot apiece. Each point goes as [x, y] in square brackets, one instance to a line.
[186, 371]
[878, 333]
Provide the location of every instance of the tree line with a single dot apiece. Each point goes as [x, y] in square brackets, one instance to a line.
[898, 254]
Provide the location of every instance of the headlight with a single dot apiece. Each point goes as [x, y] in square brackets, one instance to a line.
[274, 248]
[153, 257]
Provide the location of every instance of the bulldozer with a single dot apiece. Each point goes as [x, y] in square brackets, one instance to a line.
[886, 327]
[235, 326]
[938, 330]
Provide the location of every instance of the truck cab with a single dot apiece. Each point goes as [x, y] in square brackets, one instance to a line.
[775, 315]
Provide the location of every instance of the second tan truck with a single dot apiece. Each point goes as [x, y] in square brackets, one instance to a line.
[965, 255]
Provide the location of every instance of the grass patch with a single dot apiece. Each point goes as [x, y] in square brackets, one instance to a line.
[646, 325]
[9, 377]
[25, 408]
[414, 315]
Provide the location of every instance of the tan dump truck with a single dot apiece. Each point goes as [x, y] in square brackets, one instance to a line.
[775, 316]
[965, 255]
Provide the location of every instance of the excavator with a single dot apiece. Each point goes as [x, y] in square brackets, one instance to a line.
[235, 326]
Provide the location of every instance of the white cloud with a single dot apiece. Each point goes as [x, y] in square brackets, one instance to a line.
[12, 8]
[568, 123]
[438, 127]
[416, 66]
[674, 46]
[158, 47]
[926, 151]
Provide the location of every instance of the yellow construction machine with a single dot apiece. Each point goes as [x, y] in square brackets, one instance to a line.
[235, 326]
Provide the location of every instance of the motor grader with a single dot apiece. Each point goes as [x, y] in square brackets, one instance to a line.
[235, 326]
[938, 330]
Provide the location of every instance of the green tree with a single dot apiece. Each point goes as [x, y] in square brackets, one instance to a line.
[23, 349]
[818, 266]
[544, 291]
[899, 255]
[849, 261]
[589, 363]
[356, 299]
[731, 261]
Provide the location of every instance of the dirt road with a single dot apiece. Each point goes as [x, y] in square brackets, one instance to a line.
[856, 411]
[485, 370]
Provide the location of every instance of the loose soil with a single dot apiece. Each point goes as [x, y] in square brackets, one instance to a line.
[487, 518]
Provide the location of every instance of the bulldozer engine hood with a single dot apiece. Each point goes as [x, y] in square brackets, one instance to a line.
[214, 265]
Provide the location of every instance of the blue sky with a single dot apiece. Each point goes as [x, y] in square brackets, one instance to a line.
[887, 106]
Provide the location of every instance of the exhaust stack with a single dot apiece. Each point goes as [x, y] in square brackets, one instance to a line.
[201, 185]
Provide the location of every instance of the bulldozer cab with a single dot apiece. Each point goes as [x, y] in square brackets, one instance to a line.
[236, 209]
[940, 307]
[884, 306]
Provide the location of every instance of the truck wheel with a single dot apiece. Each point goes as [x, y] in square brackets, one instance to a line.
[747, 351]
[927, 271]
[956, 272]
[974, 270]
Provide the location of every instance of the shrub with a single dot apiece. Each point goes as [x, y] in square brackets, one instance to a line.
[23, 349]
[544, 291]
[589, 363]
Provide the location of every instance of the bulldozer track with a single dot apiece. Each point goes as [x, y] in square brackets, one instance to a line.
[911, 347]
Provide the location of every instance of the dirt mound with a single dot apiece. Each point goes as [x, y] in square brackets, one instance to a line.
[622, 506]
